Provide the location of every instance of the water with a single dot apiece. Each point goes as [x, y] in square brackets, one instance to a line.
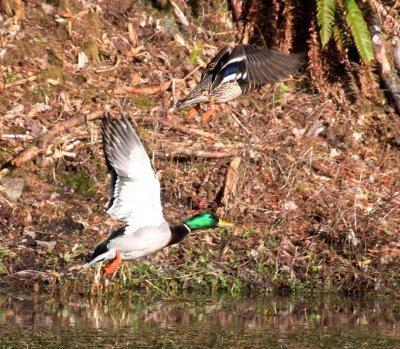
[225, 322]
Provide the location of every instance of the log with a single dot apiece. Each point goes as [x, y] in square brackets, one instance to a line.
[231, 180]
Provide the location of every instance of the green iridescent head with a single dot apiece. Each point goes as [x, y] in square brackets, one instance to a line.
[206, 220]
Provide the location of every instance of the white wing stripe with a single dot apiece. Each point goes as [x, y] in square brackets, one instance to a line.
[231, 77]
[234, 60]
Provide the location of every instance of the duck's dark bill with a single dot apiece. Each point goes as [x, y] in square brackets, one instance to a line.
[222, 223]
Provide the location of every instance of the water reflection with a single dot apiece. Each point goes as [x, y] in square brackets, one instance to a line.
[271, 322]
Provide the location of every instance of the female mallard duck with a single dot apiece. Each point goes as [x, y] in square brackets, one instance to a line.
[135, 199]
[233, 72]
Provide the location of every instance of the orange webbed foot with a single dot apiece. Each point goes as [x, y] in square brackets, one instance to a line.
[111, 267]
[193, 111]
[207, 115]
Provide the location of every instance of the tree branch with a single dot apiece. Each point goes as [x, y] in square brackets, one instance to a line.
[184, 152]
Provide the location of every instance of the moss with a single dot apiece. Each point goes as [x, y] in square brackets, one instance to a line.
[91, 50]
[54, 72]
[66, 5]
[91, 30]
[27, 49]
[80, 183]
[94, 25]
[300, 188]
[144, 102]
[42, 87]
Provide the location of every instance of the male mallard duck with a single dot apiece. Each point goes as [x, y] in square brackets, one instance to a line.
[135, 199]
[233, 72]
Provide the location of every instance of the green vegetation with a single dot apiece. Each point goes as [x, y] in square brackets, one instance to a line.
[201, 277]
[2, 266]
[195, 53]
[54, 72]
[4, 255]
[144, 102]
[10, 77]
[71, 255]
[329, 17]
[81, 183]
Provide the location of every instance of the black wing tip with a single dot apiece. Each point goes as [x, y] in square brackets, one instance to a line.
[252, 50]
[114, 131]
[109, 121]
[220, 54]
[100, 249]
[120, 128]
[272, 66]
[299, 58]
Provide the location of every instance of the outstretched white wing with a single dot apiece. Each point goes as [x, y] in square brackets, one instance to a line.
[135, 189]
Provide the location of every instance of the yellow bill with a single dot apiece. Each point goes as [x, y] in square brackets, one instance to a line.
[222, 223]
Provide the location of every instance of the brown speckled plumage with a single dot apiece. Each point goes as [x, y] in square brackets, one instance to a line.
[233, 72]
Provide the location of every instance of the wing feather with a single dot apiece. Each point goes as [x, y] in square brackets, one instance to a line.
[220, 58]
[269, 66]
[135, 189]
[253, 67]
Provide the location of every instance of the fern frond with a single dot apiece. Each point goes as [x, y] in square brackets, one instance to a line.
[337, 35]
[359, 30]
[326, 19]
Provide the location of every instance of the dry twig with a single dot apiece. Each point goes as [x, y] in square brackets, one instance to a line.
[151, 90]
[185, 152]
[106, 69]
[180, 15]
[19, 82]
[183, 129]
[47, 138]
